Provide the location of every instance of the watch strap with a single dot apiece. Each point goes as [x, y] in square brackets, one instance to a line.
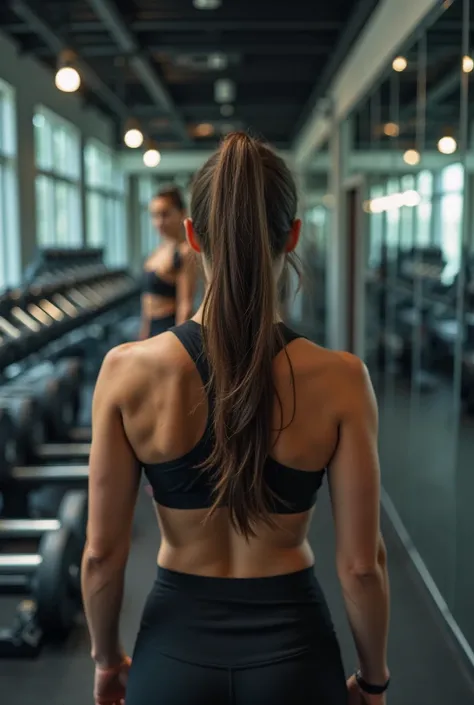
[369, 688]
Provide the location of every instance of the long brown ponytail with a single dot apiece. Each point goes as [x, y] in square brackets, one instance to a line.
[243, 206]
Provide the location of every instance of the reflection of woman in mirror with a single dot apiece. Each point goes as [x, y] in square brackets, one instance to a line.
[169, 274]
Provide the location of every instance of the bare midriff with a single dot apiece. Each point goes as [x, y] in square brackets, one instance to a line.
[216, 550]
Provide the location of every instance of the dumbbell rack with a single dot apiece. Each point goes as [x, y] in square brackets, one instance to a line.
[58, 312]
[75, 301]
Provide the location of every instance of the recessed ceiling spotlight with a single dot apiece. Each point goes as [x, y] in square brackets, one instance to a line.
[205, 129]
[399, 64]
[207, 4]
[217, 61]
[224, 90]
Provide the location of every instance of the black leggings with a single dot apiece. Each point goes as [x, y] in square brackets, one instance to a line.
[256, 641]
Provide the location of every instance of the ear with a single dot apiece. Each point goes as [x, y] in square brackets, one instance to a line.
[294, 236]
[191, 236]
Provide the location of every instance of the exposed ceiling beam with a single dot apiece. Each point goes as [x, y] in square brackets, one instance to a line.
[143, 68]
[225, 26]
[275, 107]
[205, 26]
[389, 27]
[186, 48]
[56, 44]
[235, 26]
[361, 12]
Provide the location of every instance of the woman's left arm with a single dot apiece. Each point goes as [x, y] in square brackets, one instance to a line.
[186, 285]
[114, 478]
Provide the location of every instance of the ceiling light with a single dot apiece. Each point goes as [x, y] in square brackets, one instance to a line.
[205, 129]
[227, 110]
[67, 78]
[412, 157]
[328, 200]
[467, 64]
[133, 136]
[391, 129]
[399, 64]
[224, 91]
[151, 157]
[207, 4]
[410, 199]
[217, 61]
[447, 145]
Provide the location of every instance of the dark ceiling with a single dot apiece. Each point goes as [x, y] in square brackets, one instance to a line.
[425, 99]
[158, 60]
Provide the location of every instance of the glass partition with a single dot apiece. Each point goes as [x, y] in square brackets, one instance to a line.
[413, 138]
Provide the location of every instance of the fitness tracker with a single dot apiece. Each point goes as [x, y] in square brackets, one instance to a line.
[369, 688]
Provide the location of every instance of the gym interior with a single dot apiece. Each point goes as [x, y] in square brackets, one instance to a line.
[102, 102]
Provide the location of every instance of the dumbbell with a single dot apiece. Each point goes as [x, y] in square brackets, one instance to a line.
[50, 575]
[17, 480]
[58, 407]
[72, 515]
[27, 429]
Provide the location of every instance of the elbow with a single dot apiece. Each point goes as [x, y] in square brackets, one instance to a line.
[360, 572]
[363, 569]
[101, 557]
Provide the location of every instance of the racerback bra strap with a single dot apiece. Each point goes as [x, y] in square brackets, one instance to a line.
[177, 260]
[190, 336]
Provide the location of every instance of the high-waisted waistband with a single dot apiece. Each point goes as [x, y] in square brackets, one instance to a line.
[225, 622]
[294, 586]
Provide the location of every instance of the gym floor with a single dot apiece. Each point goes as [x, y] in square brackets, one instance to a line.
[427, 667]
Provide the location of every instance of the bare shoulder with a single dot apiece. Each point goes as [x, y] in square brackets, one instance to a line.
[130, 370]
[186, 254]
[314, 358]
[153, 259]
[341, 376]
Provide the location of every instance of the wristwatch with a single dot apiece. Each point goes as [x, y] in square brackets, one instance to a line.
[369, 688]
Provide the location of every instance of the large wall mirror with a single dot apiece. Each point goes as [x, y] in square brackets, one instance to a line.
[413, 140]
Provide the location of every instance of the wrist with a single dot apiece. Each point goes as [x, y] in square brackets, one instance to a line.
[377, 676]
[109, 662]
[375, 687]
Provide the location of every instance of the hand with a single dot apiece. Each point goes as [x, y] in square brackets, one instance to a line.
[110, 684]
[357, 697]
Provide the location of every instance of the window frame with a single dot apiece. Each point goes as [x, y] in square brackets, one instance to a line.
[10, 259]
[109, 193]
[51, 173]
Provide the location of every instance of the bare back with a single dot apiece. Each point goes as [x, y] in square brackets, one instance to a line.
[165, 412]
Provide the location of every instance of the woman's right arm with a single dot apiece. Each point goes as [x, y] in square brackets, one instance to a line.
[354, 478]
[144, 333]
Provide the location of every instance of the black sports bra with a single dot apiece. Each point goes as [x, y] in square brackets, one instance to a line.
[154, 284]
[182, 484]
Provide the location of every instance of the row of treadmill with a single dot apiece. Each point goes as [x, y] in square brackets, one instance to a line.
[421, 318]
[54, 333]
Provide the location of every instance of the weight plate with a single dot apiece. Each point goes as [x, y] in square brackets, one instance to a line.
[73, 515]
[8, 449]
[46, 502]
[51, 585]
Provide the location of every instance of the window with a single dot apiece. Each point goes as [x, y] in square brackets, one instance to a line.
[149, 238]
[105, 203]
[9, 230]
[58, 180]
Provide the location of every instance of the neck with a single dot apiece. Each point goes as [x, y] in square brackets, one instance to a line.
[198, 316]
